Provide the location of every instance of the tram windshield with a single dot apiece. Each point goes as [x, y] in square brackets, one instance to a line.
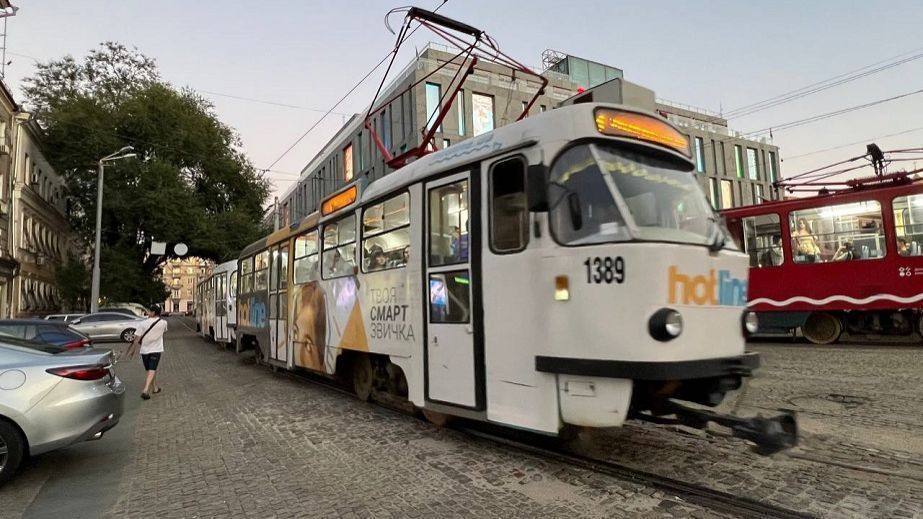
[601, 193]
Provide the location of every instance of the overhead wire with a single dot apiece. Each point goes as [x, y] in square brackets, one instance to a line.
[820, 86]
[343, 98]
[820, 117]
[863, 141]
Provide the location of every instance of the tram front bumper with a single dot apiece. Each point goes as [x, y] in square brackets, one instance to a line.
[598, 393]
[740, 365]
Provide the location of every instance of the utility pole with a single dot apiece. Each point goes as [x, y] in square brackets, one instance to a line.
[94, 288]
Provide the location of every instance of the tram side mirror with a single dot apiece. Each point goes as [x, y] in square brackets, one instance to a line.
[537, 188]
[573, 205]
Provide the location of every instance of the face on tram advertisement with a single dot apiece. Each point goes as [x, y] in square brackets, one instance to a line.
[338, 314]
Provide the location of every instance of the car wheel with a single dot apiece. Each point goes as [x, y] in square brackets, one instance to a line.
[128, 335]
[11, 450]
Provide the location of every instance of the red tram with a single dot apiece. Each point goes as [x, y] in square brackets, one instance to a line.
[849, 258]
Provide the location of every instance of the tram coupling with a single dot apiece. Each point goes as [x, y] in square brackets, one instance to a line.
[770, 434]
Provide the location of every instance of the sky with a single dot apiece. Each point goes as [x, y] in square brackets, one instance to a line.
[716, 55]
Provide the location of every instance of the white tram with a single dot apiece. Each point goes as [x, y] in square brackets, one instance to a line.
[564, 270]
[216, 304]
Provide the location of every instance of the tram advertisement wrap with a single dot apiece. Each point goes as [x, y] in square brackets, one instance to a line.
[715, 288]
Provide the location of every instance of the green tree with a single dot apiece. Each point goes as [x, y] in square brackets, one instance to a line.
[190, 183]
[72, 276]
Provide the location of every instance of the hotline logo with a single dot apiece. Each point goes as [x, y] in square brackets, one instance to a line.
[715, 288]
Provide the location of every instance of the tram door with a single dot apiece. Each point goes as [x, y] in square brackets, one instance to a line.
[278, 304]
[221, 307]
[452, 359]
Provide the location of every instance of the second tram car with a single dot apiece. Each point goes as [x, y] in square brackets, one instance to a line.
[217, 319]
[563, 270]
[846, 260]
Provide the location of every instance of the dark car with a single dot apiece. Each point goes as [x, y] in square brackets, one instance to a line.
[58, 333]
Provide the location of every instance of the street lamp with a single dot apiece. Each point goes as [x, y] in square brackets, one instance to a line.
[123, 153]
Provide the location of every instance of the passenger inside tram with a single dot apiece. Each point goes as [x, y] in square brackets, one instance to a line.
[902, 247]
[805, 243]
[377, 259]
[844, 253]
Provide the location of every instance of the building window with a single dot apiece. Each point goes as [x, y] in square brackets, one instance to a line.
[525, 106]
[509, 215]
[386, 234]
[446, 143]
[713, 192]
[460, 108]
[724, 169]
[348, 162]
[386, 128]
[727, 194]
[699, 155]
[483, 113]
[773, 175]
[758, 193]
[433, 97]
[739, 161]
[752, 164]
[838, 233]
[541, 108]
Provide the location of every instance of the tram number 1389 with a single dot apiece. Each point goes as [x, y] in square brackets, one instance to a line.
[605, 269]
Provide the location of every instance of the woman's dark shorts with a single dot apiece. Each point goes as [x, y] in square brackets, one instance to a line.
[150, 360]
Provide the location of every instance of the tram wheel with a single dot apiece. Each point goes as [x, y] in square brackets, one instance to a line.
[436, 418]
[822, 328]
[363, 377]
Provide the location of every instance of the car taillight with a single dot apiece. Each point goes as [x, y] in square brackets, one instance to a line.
[73, 345]
[94, 372]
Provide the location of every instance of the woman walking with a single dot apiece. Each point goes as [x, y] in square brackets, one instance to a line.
[149, 342]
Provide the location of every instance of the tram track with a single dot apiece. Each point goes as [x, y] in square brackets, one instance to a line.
[678, 490]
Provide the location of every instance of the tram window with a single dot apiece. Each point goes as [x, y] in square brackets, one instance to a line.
[449, 297]
[261, 271]
[282, 271]
[509, 216]
[339, 258]
[836, 233]
[386, 234]
[307, 259]
[246, 275]
[233, 285]
[582, 208]
[908, 225]
[762, 240]
[449, 224]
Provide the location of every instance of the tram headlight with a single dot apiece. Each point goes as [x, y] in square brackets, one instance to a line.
[750, 323]
[666, 324]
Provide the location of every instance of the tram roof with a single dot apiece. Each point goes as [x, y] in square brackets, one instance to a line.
[227, 266]
[559, 125]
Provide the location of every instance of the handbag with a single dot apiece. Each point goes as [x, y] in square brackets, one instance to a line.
[135, 346]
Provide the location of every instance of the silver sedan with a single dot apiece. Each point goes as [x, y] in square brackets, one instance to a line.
[108, 326]
[52, 398]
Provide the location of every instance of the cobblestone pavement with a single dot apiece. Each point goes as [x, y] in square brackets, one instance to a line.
[228, 439]
[860, 413]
